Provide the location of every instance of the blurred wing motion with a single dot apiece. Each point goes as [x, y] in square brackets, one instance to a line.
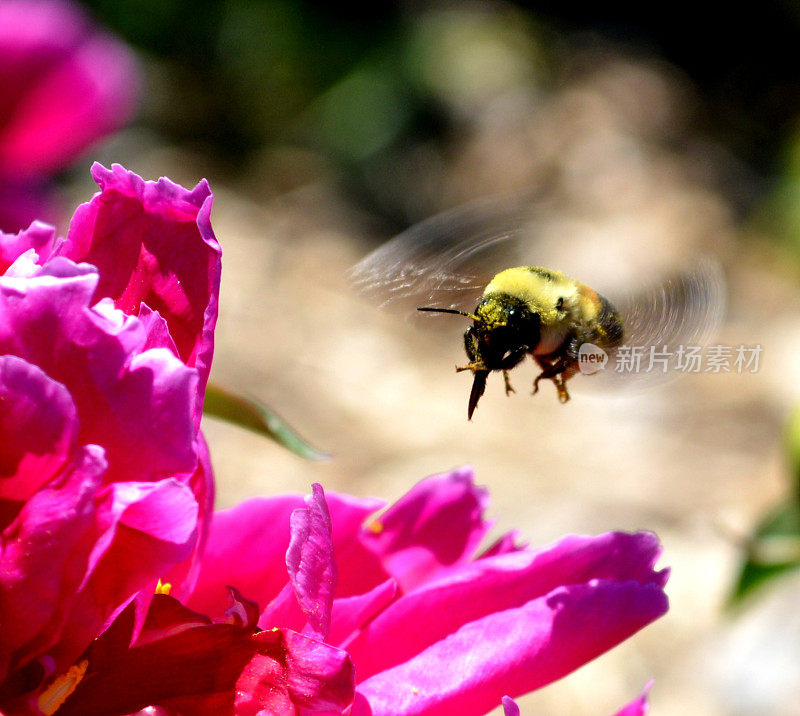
[665, 322]
[446, 261]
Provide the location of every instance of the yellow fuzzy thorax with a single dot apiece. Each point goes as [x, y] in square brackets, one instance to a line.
[539, 288]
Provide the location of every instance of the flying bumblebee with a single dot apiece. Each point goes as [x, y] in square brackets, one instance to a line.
[449, 265]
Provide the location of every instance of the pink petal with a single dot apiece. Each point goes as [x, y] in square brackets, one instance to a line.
[318, 678]
[510, 707]
[435, 526]
[148, 527]
[310, 562]
[639, 706]
[66, 85]
[184, 575]
[475, 590]
[153, 244]
[240, 611]
[514, 651]
[283, 611]
[39, 425]
[157, 330]
[509, 542]
[247, 547]
[350, 614]
[359, 569]
[57, 526]
[37, 236]
[138, 407]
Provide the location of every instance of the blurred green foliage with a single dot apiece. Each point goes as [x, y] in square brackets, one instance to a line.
[774, 547]
[235, 72]
[253, 415]
[238, 81]
[356, 85]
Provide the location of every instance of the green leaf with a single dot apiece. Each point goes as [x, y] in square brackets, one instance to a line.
[792, 439]
[252, 415]
[772, 551]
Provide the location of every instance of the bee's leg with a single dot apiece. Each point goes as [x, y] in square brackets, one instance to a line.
[477, 365]
[471, 344]
[561, 386]
[509, 388]
[555, 372]
[508, 362]
[471, 348]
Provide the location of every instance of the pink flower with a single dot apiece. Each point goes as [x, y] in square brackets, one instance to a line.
[431, 627]
[66, 84]
[102, 462]
[185, 662]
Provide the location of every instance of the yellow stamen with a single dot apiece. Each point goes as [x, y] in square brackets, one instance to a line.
[53, 697]
[376, 527]
[163, 587]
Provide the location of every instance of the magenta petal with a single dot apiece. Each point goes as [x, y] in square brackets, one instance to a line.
[509, 542]
[359, 570]
[514, 651]
[57, 526]
[241, 612]
[137, 407]
[152, 243]
[37, 236]
[510, 707]
[308, 678]
[247, 547]
[320, 677]
[639, 706]
[350, 614]
[148, 527]
[39, 425]
[89, 94]
[437, 524]
[475, 590]
[310, 562]
[65, 85]
[157, 330]
[183, 576]
[283, 611]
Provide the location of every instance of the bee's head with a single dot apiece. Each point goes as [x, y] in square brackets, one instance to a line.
[505, 325]
[502, 325]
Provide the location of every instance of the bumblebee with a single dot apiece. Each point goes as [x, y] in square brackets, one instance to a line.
[450, 264]
[533, 310]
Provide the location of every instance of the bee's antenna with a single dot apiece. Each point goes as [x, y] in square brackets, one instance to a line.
[449, 310]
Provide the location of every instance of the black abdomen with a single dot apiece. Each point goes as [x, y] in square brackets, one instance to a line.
[610, 323]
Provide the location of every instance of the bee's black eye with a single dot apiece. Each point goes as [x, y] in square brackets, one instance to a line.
[560, 303]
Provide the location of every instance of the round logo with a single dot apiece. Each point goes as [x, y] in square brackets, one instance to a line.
[591, 358]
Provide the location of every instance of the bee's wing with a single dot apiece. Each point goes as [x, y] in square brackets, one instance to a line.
[447, 260]
[665, 324]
